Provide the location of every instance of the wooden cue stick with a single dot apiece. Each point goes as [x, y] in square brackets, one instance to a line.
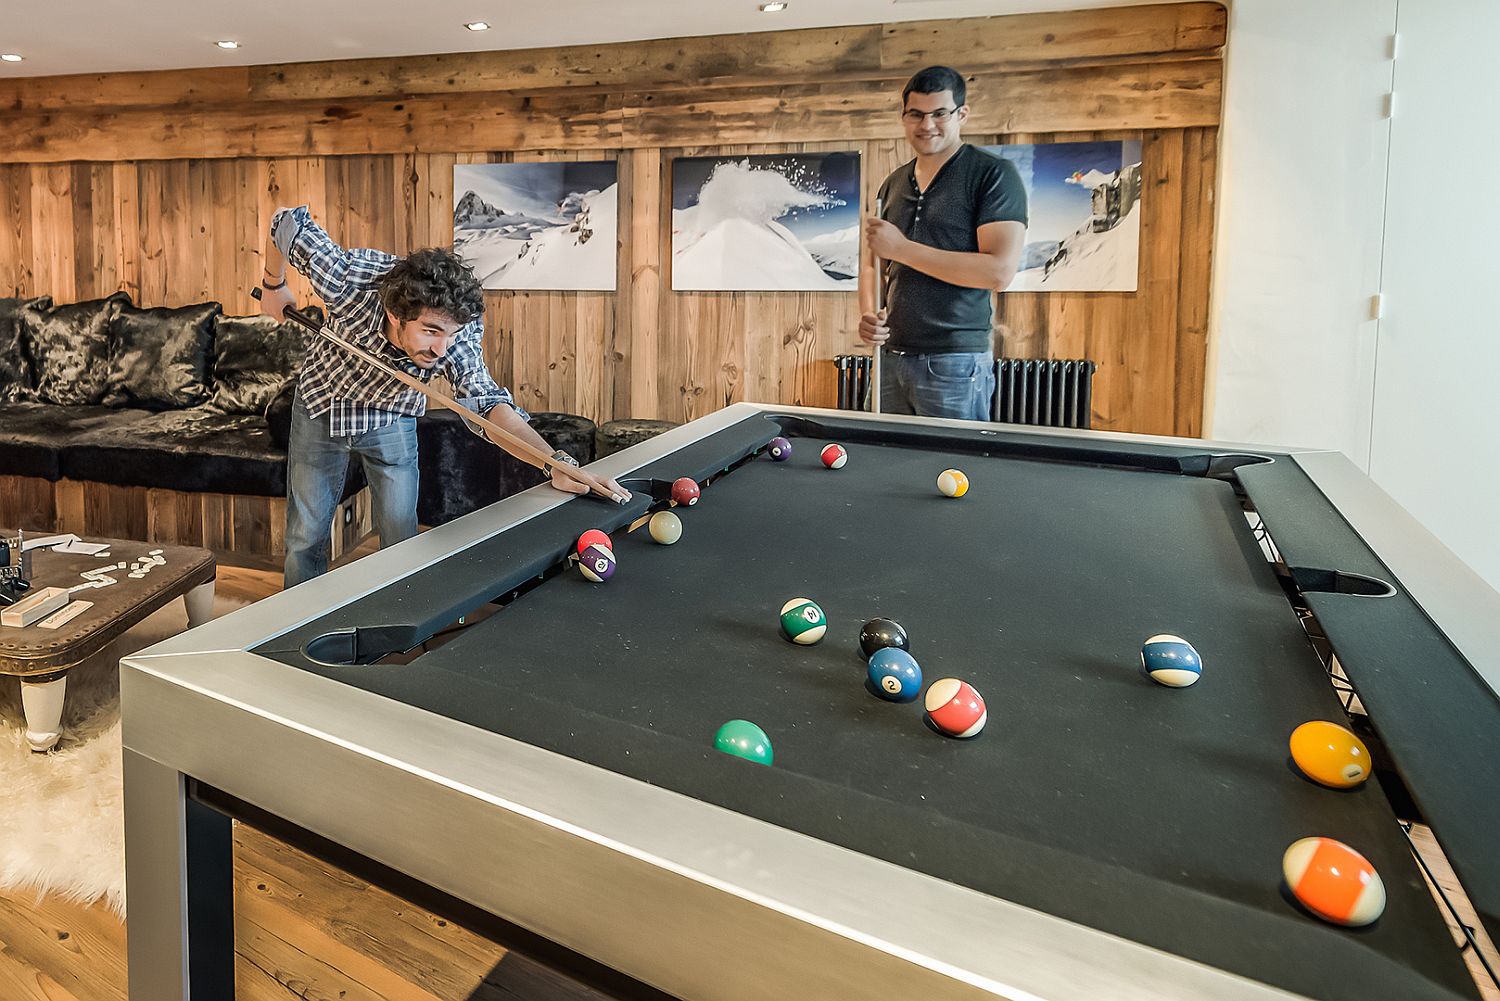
[536, 456]
[879, 304]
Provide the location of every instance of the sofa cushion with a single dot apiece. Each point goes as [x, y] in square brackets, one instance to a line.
[194, 450]
[33, 436]
[159, 357]
[17, 378]
[70, 348]
[254, 358]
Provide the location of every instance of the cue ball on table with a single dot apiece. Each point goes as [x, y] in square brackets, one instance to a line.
[1171, 661]
[1330, 754]
[685, 491]
[780, 449]
[1334, 881]
[893, 675]
[665, 527]
[955, 708]
[743, 739]
[591, 537]
[953, 483]
[802, 621]
[597, 563]
[834, 456]
[877, 634]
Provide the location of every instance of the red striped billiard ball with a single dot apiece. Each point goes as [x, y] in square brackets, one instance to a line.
[834, 456]
[955, 708]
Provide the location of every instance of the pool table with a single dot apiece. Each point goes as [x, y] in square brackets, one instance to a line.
[469, 716]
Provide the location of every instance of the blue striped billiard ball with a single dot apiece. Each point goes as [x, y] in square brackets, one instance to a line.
[1171, 661]
[893, 675]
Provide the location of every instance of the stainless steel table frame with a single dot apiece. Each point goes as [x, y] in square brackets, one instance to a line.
[741, 909]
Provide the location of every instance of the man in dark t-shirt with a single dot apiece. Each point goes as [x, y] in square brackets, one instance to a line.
[950, 234]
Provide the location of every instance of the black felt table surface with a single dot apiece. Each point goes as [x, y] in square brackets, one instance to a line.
[1157, 814]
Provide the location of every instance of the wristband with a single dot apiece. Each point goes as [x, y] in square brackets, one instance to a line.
[562, 456]
[272, 288]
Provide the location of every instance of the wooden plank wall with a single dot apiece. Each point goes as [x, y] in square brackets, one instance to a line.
[162, 184]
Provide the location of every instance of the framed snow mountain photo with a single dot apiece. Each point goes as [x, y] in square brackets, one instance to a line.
[538, 225]
[784, 222]
[1084, 202]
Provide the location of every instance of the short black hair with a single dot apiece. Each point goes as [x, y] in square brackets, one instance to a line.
[935, 80]
[433, 279]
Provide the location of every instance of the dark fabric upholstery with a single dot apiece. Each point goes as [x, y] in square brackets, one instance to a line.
[462, 472]
[569, 432]
[70, 347]
[33, 436]
[279, 415]
[190, 450]
[160, 357]
[616, 435]
[254, 359]
[17, 376]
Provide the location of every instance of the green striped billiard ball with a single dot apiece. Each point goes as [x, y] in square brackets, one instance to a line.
[802, 621]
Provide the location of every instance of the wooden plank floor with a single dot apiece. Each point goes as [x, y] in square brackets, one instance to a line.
[307, 930]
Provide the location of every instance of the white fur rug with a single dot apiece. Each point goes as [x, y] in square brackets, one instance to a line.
[62, 814]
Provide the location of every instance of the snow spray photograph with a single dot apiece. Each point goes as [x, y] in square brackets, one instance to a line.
[537, 225]
[786, 222]
[1085, 231]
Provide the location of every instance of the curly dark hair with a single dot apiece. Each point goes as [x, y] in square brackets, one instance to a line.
[432, 279]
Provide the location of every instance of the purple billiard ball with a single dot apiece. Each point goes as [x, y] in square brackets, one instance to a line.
[597, 563]
[780, 449]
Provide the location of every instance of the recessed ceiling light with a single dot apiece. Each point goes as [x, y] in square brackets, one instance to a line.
[10, 57]
[772, 7]
[478, 26]
[227, 44]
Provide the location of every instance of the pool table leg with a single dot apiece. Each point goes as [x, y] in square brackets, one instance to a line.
[179, 874]
[200, 604]
[42, 704]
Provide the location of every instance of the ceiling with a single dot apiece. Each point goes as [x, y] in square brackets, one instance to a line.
[96, 36]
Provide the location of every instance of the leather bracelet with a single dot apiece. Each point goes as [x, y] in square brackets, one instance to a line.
[562, 456]
[272, 288]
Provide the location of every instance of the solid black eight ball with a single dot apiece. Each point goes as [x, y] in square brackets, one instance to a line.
[879, 633]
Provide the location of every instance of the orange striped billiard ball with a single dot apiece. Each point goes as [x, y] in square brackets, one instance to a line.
[1334, 881]
[1330, 754]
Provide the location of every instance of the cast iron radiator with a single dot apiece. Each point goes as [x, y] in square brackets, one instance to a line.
[1042, 392]
[1046, 392]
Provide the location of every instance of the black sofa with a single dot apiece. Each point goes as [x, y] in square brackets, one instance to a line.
[193, 400]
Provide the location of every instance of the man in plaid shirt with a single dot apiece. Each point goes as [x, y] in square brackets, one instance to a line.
[424, 315]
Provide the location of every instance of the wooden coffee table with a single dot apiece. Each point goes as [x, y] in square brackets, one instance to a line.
[125, 584]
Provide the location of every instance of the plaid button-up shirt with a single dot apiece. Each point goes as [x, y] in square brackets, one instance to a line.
[357, 396]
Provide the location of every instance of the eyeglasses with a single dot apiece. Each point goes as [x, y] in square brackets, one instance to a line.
[938, 117]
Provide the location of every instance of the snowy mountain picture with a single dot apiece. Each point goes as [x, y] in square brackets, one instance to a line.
[769, 223]
[1085, 207]
[537, 226]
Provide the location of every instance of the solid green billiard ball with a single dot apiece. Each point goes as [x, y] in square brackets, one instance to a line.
[744, 739]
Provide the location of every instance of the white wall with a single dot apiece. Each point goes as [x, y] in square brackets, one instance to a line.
[1308, 230]
[1434, 442]
[1297, 244]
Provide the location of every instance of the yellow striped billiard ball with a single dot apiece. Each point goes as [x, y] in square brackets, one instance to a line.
[953, 483]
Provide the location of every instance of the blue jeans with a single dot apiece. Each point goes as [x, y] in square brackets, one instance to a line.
[316, 467]
[960, 386]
